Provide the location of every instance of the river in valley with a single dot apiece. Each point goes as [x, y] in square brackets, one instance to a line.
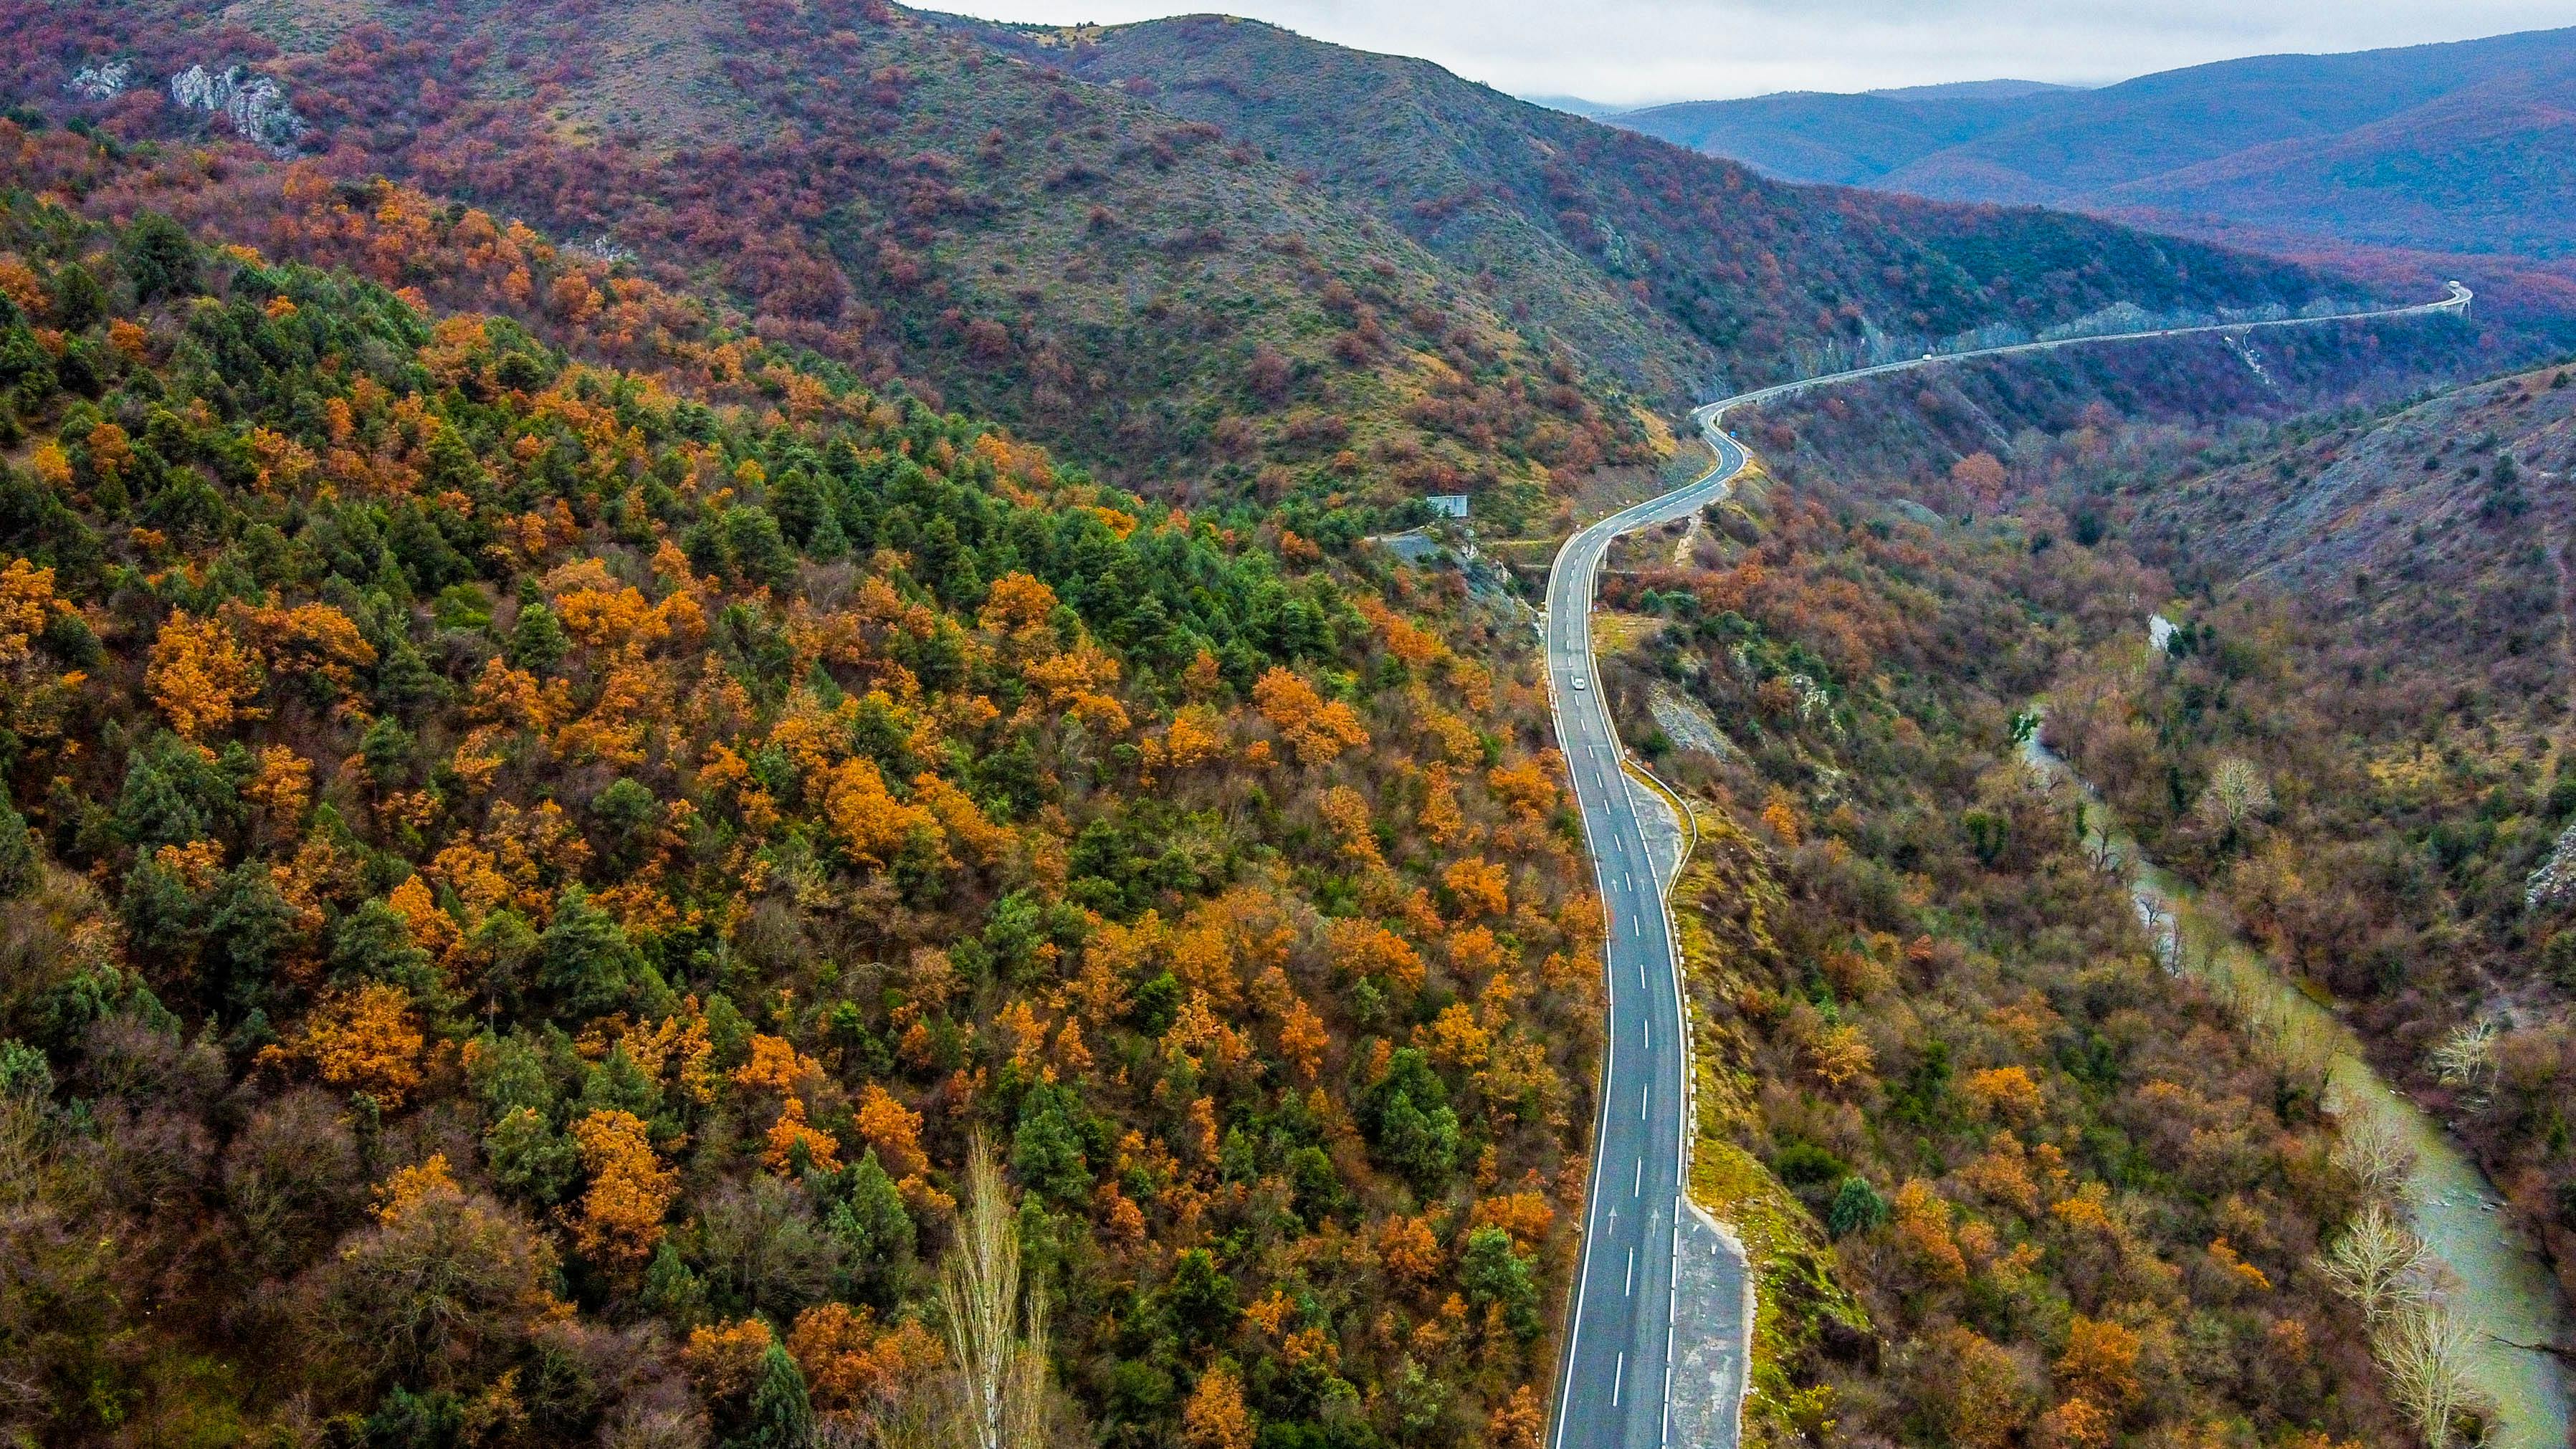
[2500, 1285]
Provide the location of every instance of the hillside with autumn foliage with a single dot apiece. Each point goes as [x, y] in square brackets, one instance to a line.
[525, 877]
[1205, 258]
[670, 688]
[2372, 626]
[2003, 1179]
[1685, 275]
[1160, 302]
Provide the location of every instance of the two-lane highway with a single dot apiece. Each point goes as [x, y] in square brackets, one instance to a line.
[1618, 1352]
[1614, 1375]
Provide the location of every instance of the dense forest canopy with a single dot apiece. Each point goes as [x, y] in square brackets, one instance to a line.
[524, 876]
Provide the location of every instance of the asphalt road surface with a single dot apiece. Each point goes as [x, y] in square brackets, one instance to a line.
[1614, 1378]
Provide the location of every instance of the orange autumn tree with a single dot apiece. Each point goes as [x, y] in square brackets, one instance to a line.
[1976, 1389]
[2100, 1362]
[201, 676]
[856, 1368]
[865, 816]
[620, 1218]
[27, 605]
[1215, 1417]
[366, 1041]
[894, 1130]
[1316, 730]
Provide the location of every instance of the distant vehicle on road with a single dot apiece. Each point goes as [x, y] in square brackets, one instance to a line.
[1579, 684]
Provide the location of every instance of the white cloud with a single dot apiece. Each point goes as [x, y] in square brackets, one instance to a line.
[1642, 51]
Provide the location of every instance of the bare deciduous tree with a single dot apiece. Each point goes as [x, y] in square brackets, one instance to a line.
[2424, 1351]
[2375, 1263]
[2466, 1058]
[2237, 793]
[1001, 1366]
[2372, 1151]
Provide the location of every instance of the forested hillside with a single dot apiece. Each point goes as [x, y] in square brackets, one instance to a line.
[1206, 257]
[1142, 292]
[524, 875]
[2382, 634]
[1678, 271]
[2372, 650]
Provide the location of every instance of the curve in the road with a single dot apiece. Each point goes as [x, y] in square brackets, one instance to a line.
[1614, 1372]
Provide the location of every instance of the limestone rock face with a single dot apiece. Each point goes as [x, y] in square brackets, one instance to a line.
[254, 103]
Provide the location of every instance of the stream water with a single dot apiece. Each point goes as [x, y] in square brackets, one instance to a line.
[2500, 1286]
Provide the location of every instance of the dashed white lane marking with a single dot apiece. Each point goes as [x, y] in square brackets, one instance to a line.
[1618, 1377]
[1639, 1188]
[1644, 1093]
[1632, 1272]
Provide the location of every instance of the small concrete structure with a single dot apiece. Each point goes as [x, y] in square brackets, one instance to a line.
[1448, 505]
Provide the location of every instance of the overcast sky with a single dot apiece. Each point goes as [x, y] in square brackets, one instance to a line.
[1637, 52]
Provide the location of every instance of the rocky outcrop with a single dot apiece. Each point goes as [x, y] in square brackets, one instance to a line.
[255, 104]
[103, 80]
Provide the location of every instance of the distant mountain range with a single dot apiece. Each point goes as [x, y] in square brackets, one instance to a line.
[1577, 106]
[2460, 149]
[1992, 90]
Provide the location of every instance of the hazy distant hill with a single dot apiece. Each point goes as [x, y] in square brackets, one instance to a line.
[2463, 148]
[1576, 106]
[1985, 90]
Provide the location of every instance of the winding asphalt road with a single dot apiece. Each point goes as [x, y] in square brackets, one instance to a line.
[1614, 1378]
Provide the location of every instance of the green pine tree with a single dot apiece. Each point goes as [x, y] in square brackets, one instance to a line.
[21, 868]
[537, 639]
[782, 1415]
[670, 1290]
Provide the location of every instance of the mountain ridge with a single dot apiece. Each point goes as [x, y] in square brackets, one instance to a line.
[1385, 133]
